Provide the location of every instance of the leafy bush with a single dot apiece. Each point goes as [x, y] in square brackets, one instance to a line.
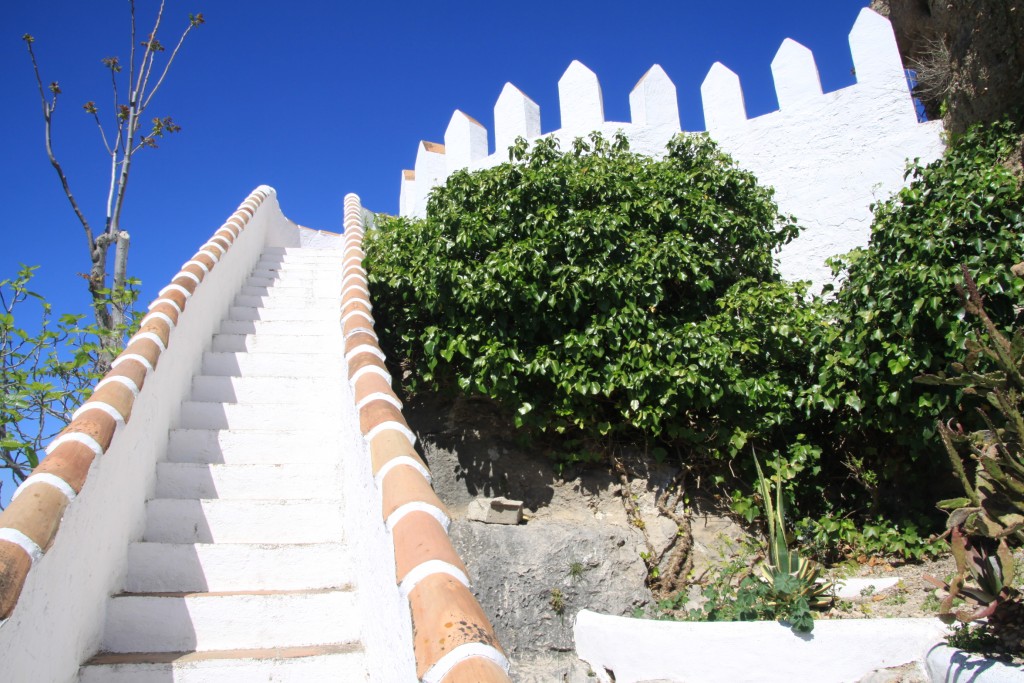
[615, 299]
[47, 368]
[898, 314]
[830, 539]
[601, 294]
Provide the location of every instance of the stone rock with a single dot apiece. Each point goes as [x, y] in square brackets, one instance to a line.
[532, 579]
[495, 511]
[968, 54]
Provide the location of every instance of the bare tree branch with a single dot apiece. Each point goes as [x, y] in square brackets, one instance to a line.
[48, 109]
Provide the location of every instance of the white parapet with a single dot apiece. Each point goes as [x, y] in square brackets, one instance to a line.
[724, 109]
[796, 75]
[653, 101]
[877, 63]
[465, 141]
[721, 652]
[828, 156]
[515, 115]
[580, 101]
[431, 170]
[406, 197]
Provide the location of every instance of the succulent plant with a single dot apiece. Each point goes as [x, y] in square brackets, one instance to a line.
[982, 523]
[795, 580]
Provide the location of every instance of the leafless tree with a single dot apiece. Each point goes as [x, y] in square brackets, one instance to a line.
[123, 136]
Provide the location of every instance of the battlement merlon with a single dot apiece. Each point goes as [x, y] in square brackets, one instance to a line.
[828, 155]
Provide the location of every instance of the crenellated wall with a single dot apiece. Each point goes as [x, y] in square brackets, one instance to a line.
[828, 155]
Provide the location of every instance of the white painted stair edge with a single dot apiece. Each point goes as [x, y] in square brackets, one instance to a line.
[838, 650]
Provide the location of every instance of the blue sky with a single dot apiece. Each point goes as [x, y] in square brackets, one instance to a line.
[323, 98]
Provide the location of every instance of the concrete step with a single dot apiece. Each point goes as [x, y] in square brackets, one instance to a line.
[168, 567]
[189, 622]
[308, 291]
[170, 520]
[209, 415]
[292, 481]
[285, 271]
[300, 314]
[250, 446]
[275, 343]
[310, 664]
[260, 364]
[292, 328]
[280, 390]
[302, 254]
[325, 286]
[289, 302]
[331, 260]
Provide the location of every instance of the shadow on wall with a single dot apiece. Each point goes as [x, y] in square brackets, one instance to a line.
[474, 450]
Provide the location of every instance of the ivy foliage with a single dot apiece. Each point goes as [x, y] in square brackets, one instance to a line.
[613, 298]
[898, 314]
[599, 293]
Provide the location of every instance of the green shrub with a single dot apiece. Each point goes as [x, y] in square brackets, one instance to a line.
[898, 315]
[602, 295]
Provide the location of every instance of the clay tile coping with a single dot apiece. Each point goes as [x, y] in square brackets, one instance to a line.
[379, 412]
[435, 147]
[419, 538]
[389, 445]
[445, 615]
[14, 566]
[38, 509]
[405, 485]
[476, 670]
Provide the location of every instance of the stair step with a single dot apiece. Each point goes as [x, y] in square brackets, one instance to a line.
[291, 328]
[166, 567]
[288, 415]
[275, 343]
[293, 481]
[272, 364]
[288, 302]
[253, 390]
[304, 254]
[308, 291]
[186, 622]
[309, 664]
[250, 446]
[171, 520]
[323, 286]
[301, 314]
[285, 271]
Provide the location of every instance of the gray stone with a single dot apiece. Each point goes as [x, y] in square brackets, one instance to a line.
[495, 511]
[533, 579]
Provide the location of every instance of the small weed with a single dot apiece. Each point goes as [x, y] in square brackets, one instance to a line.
[557, 601]
[931, 603]
[576, 570]
[867, 591]
[897, 598]
[972, 638]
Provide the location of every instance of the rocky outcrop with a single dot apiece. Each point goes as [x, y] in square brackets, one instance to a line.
[581, 544]
[969, 55]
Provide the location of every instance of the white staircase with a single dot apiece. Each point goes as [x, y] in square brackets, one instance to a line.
[243, 572]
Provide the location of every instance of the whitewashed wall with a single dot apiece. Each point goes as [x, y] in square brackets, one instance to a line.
[59, 618]
[828, 155]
